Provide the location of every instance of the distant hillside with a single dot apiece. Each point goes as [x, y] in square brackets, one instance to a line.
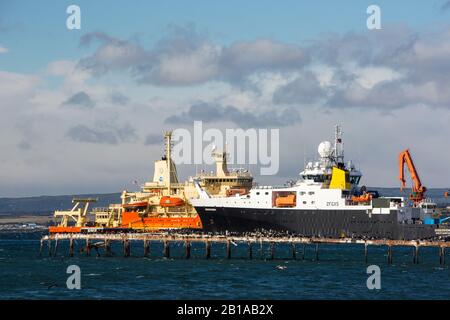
[47, 204]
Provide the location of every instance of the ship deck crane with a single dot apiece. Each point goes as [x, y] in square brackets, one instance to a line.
[417, 190]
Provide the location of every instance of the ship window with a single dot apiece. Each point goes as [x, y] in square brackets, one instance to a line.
[304, 202]
[355, 179]
[267, 193]
[311, 193]
[257, 193]
[302, 193]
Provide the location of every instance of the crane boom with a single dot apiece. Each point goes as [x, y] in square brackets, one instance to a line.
[418, 190]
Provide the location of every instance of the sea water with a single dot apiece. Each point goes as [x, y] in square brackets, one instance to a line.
[339, 273]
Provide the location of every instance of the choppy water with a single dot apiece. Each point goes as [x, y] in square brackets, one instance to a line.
[340, 273]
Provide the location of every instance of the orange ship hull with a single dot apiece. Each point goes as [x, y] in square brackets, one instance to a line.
[132, 220]
[59, 229]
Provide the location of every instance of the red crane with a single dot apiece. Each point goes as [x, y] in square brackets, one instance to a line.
[417, 189]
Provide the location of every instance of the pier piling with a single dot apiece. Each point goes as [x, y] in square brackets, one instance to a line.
[126, 248]
[294, 254]
[303, 252]
[108, 252]
[207, 250]
[71, 247]
[272, 251]
[389, 254]
[442, 256]
[41, 247]
[188, 249]
[55, 250]
[146, 248]
[88, 247]
[261, 252]
[415, 254]
[166, 249]
[317, 252]
[366, 259]
[98, 240]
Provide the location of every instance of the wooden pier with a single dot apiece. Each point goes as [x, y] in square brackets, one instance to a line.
[99, 240]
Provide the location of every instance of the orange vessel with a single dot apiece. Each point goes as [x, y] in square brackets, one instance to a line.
[137, 215]
[62, 229]
[135, 221]
[161, 203]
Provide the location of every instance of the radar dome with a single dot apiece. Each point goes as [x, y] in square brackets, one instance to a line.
[325, 149]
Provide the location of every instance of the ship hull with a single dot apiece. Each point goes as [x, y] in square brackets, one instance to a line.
[312, 223]
[134, 221]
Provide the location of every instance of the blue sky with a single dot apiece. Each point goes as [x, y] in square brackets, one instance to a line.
[82, 109]
[36, 32]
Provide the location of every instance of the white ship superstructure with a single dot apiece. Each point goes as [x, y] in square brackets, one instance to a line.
[325, 201]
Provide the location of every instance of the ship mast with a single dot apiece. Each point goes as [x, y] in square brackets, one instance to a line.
[168, 138]
[338, 145]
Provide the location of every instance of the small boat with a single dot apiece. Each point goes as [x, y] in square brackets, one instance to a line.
[168, 201]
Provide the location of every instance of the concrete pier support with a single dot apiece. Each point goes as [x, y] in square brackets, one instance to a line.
[71, 247]
[442, 256]
[294, 253]
[166, 250]
[146, 248]
[228, 249]
[389, 254]
[108, 252]
[88, 247]
[261, 252]
[366, 258]
[317, 252]
[126, 248]
[272, 251]
[41, 247]
[415, 254]
[55, 250]
[207, 249]
[188, 249]
[250, 250]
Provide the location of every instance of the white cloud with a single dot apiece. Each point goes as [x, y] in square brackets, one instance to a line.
[35, 130]
[15, 84]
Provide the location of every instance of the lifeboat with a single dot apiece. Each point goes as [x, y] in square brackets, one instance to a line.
[285, 201]
[363, 198]
[135, 204]
[167, 201]
[235, 191]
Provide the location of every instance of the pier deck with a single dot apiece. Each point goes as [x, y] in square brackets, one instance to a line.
[167, 238]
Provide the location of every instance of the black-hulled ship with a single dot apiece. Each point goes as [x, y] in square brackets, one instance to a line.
[325, 202]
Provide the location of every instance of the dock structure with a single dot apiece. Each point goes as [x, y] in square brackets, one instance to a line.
[98, 240]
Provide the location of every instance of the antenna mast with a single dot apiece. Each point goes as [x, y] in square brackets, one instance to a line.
[168, 138]
[338, 145]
